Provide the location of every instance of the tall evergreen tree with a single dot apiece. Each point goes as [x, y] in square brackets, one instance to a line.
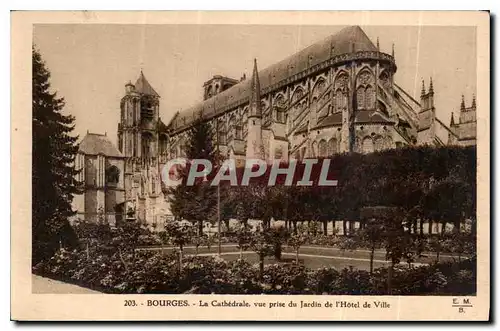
[196, 203]
[53, 173]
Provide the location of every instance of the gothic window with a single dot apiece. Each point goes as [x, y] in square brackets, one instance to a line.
[222, 133]
[239, 132]
[332, 147]
[360, 97]
[378, 143]
[322, 148]
[319, 88]
[314, 149]
[341, 91]
[297, 95]
[367, 145]
[112, 176]
[365, 93]
[338, 100]
[369, 97]
[389, 142]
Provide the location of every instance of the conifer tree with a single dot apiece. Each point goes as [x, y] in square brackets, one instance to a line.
[53, 173]
[196, 203]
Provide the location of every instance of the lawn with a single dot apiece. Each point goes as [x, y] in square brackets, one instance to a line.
[311, 256]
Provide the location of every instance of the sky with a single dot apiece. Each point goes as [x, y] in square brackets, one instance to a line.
[91, 63]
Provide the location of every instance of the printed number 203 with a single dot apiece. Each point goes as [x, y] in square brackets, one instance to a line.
[130, 303]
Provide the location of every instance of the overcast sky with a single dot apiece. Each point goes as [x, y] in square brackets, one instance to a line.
[90, 64]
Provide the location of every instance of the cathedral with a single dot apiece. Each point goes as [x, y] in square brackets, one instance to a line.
[337, 95]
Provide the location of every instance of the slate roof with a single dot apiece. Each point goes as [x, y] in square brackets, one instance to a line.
[346, 40]
[94, 144]
[362, 116]
[142, 86]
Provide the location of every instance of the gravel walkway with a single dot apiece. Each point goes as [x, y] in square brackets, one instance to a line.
[42, 285]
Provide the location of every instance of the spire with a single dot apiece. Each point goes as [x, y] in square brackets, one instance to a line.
[431, 87]
[255, 93]
[422, 93]
[142, 86]
[393, 50]
[378, 45]
[474, 101]
[452, 121]
[462, 104]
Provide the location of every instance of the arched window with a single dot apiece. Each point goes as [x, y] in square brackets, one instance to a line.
[322, 148]
[314, 149]
[389, 143]
[341, 90]
[338, 100]
[222, 133]
[378, 143]
[369, 97]
[332, 147]
[367, 146]
[297, 94]
[112, 176]
[365, 93]
[360, 97]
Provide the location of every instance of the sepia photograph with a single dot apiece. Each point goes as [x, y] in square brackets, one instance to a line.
[265, 160]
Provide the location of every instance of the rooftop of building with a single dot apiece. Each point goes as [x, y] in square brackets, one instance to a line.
[348, 40]
[95, 144]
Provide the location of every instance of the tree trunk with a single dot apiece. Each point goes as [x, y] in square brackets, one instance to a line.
[325, 227]
[415, 229]
[227, 225]
[372, 256]
[389, 278]
[295, 227]
[421, 226]
[344, 227]
[277, 251]
[200, 228]
[438, 251]
[430, 227]
[261, 266]
[180, 259]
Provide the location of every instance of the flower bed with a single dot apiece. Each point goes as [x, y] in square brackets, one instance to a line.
[154, 272]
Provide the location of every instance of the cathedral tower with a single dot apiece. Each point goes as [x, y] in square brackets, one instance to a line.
[255, 148]
[137, 130]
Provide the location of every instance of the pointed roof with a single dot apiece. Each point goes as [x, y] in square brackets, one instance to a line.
[142, 86]
[452, 121]
[473, 101]
[462, 104]
[339, 43]
[255, 92]
[95, 144]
